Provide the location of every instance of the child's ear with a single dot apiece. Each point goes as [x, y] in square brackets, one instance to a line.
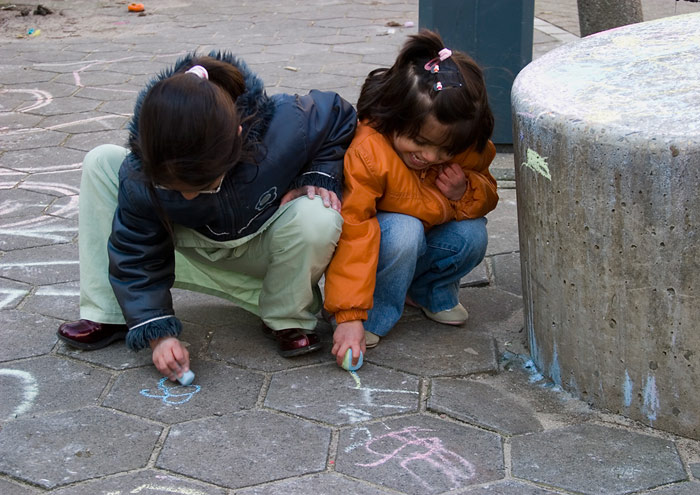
[240, 130]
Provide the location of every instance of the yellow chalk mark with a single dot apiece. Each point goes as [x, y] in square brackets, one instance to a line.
[356, 378]
[537, 163]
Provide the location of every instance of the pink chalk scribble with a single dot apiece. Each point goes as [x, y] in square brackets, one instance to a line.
[431, 451]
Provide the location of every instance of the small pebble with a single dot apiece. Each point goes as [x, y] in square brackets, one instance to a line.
[186, 378]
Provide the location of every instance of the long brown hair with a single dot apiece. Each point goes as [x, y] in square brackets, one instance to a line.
[397, 100]
[188, 126]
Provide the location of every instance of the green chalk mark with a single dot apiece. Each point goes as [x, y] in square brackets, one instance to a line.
[537, 163]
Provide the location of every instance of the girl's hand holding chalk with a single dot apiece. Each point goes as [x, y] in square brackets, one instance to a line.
[347, 361]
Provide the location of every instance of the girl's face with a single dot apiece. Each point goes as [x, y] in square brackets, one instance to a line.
[424, 150]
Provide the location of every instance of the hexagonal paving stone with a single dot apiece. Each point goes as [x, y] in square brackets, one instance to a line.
[243, 343]
[420, 455]
[7, 488]
[36, 232]
[695, 469]
[26, 334]
[42, 265]
[371, 392]
[12, 293]
[479, 403]
[48, 384]
[317, 484]
[596, 459]
[62, 448]
[43, 160]
[58, 301]
[34, 139]
[502, 221]
[245, 448]
[508, 487]
[427, 348]
[151, 482]
[217, 389]
[506, 271]
[690, 488]
[90, 140]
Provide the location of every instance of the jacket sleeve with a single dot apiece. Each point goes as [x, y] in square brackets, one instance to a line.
[142, 269]
[351, 275]
[328, 123]
[481, 196]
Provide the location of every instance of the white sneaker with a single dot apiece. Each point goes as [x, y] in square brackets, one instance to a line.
[455, 316]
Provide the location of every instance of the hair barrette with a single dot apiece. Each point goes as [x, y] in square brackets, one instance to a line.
[433, 65]
[198, 71]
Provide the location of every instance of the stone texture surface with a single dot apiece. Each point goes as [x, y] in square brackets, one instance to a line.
[61, 448]
[420, 455]
[596, 459]
[245, 448]
[607, 210]
[424, 409]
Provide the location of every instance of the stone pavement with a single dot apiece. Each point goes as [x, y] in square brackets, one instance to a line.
[434, 409]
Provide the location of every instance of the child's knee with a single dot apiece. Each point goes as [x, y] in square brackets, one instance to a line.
[401, 236]
[316, 224]
[104, 159]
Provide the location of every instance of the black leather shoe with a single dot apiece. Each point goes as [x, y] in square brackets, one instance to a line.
[90, 335]
[293, 341]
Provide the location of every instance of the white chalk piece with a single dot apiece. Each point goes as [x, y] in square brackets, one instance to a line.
[186, 378]
[347, 361]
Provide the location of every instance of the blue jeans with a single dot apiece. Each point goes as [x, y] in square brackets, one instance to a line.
[427, 266]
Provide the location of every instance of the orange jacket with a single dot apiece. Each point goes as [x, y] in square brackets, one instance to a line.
[377, 179]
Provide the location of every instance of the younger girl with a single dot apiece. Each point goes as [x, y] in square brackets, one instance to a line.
[225, 191]
[417, 187]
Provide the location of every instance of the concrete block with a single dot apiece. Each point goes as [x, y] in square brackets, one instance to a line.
[369, 393]
[596, 459]
[420, 455]
[47, 384]
[329, 483]
[481, 404]
[245, 448]
[62, 448]
[26, 335]
[217, 389]
[148, 481]
[608, 147]
[418, 346]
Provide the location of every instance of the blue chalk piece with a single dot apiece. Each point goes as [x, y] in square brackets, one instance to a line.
[186, 378]
[347, 361]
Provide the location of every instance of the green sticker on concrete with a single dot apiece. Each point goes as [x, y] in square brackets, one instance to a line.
[537, 163]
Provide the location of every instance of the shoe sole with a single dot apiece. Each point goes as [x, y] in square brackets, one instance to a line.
[452, 323]
[92, 346]
[302, 350]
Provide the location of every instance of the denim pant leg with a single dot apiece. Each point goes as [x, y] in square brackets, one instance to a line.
[454, 249]
[402, 243]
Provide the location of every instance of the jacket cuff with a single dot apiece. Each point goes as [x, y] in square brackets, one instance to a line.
[140, 336]
[350, 314]
[319, 179]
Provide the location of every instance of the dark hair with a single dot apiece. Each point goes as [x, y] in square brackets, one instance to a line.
[188, 126]
[396, 101]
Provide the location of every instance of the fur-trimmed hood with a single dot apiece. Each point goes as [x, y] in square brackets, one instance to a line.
[254, 102]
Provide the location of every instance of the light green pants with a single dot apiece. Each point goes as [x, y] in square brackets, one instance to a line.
[272, 273]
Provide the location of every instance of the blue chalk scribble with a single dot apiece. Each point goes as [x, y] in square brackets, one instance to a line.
[180, 398]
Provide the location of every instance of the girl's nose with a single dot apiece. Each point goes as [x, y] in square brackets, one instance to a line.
[430, 155]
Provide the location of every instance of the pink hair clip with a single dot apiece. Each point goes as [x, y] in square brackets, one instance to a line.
[433, 65]
[198, 71]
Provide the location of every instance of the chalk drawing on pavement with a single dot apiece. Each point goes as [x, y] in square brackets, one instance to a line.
[29, 392]
[170, 395]
[415, 448]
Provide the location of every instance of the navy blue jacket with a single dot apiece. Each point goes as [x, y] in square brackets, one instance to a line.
[301, 141]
